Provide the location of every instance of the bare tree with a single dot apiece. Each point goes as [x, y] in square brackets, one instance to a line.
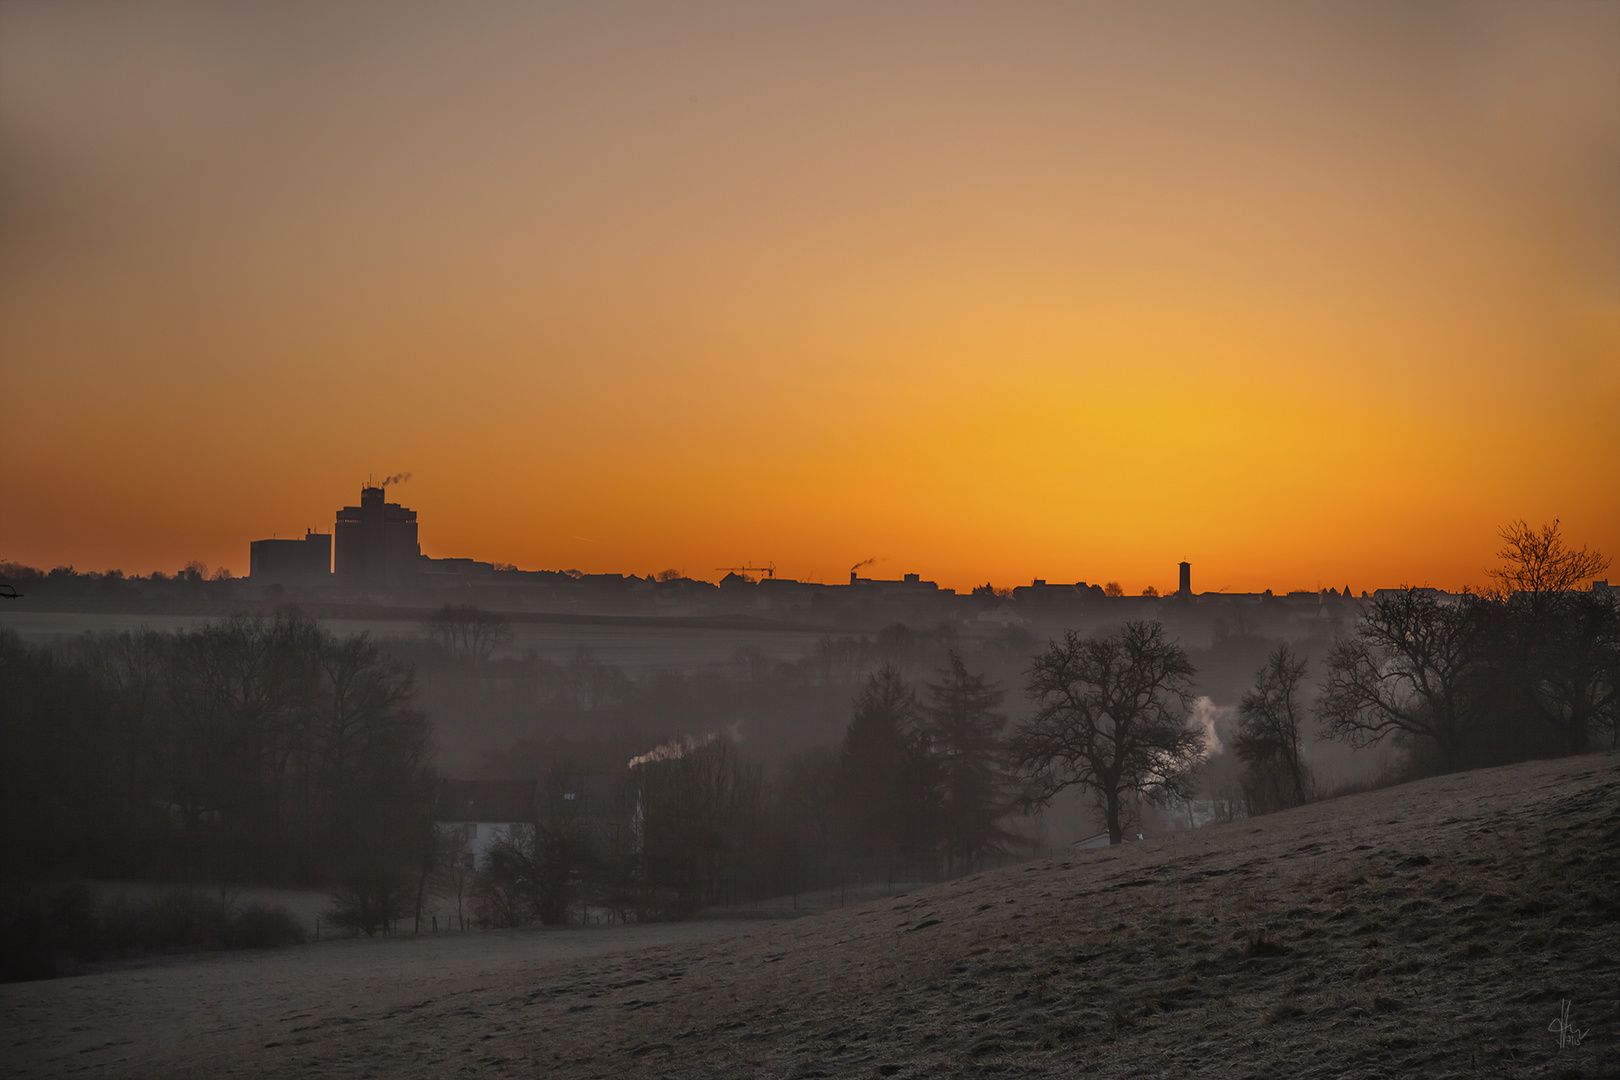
[562, 847]
[1539, 563]
[454, 870]
[504, 886]
[699, 807]
[469, 632]
[1405, 669]
[364, 704]
[1564, 649]
[1268, 739]
[371, 766]
[133, 666]
[1112, 718]
[240, 689]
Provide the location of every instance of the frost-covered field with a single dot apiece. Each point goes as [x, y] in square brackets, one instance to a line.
[203, 1015]
[1434, 929]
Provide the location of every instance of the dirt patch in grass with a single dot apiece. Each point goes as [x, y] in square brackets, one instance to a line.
[1432, 929]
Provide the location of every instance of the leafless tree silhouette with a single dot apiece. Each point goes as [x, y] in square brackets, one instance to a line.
[1404, 669]
[1112, 719]
[1539, 563]
[469, 632]
[1268, 741]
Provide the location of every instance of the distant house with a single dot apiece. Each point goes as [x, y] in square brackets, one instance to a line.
[482, 811]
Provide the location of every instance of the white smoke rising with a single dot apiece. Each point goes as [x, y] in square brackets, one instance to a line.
[673, 750]
[1205, 713]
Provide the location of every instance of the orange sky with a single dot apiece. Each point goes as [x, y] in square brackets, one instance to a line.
[1306, 294]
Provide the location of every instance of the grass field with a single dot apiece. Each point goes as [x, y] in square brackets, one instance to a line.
[1433, 929]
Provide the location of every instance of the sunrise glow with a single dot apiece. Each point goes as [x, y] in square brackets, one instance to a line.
[1309, 296]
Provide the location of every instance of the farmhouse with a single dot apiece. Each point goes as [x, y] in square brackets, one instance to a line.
[480, 811]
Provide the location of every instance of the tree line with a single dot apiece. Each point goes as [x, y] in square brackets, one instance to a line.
[249, 749]
[926, 782]
[917, 789]
[1529, 668]
[269, 749]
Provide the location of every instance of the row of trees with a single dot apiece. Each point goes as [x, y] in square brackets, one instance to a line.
[248, 749]
[269, 749]
[923, 785]
[922, 782]
[917, 789]
[1528, 669]
[690, 827]
[1480, 680]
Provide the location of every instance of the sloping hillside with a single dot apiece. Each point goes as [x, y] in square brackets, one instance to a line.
[1432, 929]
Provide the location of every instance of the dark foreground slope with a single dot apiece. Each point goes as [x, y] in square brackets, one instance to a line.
[1432, 929]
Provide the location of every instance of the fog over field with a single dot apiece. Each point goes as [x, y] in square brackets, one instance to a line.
[476, 713]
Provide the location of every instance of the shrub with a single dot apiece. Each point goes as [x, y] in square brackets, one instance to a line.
[47, 928]
[40, 923]
[371, 902]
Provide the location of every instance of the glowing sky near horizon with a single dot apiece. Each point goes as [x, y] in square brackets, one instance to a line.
[1309, 295]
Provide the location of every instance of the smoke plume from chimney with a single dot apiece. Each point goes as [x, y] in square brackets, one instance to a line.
[673, 750]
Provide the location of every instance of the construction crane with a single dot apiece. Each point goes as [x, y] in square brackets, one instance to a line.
[768, 570]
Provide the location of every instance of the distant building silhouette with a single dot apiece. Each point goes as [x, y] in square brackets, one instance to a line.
[375, 542]
[1045, 594]
[907, 583]
[291, 562]
[374, 549]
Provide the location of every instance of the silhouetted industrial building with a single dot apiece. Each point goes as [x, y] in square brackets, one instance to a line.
[1185, 589]
[1050, 594]
[291, 562]
[375, 542]
[909, 582]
